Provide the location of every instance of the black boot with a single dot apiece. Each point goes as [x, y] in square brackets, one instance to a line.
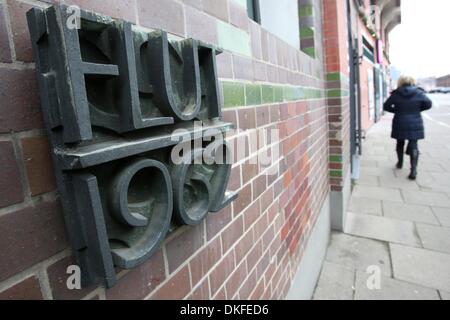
[400, 157]
[408, 152]
[414, 154]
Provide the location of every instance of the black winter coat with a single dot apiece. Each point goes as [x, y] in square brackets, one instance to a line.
[407, 103]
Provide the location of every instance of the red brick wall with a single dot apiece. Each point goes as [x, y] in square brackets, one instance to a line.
[337, 69]
[335, 36]
[249, 250]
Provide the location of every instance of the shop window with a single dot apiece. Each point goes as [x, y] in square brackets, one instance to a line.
[368, 50]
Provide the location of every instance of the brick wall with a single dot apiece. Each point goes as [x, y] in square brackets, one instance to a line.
[249, 250]
[310, 12]
[337, 68]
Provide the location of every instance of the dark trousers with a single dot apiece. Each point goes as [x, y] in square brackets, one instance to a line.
[412, 145]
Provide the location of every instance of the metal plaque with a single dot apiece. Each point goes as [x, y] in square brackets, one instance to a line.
[117, 101]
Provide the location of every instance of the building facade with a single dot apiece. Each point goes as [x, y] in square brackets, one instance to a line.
[314, 72]
[443, 81]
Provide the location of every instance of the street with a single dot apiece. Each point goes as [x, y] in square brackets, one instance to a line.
[440, 114]
[396, 243]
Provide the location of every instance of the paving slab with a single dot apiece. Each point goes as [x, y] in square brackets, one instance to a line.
[398, 183]
[388, 164]
[434, 237]
[431, 167]
[391, 217]
[381, 228]
[443, 215]
[336, 282]
[358, 253]
[420, 266]
[378, 193]
[428, 198]
[371, 181]
[379, 172]
[434, 188]
[427, 182]
[409, 212]
[368, 163]
[424, 179]
[391, 289]
[376, 148]
[365, 206]
[378, 158]
[441, 178]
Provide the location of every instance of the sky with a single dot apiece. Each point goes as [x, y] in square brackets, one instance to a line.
[420, 45]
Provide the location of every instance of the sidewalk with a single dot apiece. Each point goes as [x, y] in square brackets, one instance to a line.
[402, 227]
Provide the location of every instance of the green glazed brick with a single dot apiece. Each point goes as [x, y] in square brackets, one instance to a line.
[306, 93]
[309, 93]
[337, 76]
[335, 159]
[267, 94]
[233, 94]
[334, 76]
[316, 93]
[288, 93]
[278, 94]
[310, 51]
[336, 173]
[294, 93]
[249, 94]
[298, 93]
[306, 10]
[252, 94]
[336, 93]
[306, 32]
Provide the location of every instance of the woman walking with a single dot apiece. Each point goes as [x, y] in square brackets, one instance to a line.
[407, 102]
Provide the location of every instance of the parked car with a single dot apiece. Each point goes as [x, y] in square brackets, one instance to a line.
[438, 90]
